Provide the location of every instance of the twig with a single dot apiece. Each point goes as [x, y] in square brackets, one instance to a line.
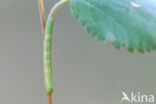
[49, 98]
[42, 15]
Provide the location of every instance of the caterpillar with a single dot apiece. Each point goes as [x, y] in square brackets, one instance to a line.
[47, 60]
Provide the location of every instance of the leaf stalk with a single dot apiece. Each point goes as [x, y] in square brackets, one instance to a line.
[55, 7]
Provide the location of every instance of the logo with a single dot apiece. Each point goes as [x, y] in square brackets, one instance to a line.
[137, 98]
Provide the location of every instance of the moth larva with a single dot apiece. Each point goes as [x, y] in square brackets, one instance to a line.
[47, 56]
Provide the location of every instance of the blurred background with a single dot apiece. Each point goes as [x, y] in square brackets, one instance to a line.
[85, 71]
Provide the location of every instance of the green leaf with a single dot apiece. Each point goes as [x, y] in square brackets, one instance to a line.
[127, 23]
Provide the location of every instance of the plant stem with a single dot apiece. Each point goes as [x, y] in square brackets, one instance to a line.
[49, 98]
[42, 15]
[56, 6]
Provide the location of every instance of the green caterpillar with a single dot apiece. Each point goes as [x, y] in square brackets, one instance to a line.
[47, 56]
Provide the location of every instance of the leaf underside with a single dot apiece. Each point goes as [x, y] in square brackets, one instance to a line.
[127, 23]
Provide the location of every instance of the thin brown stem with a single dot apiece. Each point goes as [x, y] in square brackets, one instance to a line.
[42, 15]
[49, 98]
[56, 6]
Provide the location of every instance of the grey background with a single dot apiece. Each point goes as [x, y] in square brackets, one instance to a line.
[85, 70]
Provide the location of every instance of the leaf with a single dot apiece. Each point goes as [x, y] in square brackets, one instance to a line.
[127, 23]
